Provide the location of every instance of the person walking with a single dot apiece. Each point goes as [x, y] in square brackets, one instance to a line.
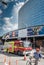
[37, 55]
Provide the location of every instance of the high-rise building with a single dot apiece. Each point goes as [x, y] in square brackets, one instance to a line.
[31, 14]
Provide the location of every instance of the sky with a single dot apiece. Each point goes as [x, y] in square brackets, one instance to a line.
[9, 15]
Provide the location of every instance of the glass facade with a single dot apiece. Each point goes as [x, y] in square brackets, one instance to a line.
[31, 14]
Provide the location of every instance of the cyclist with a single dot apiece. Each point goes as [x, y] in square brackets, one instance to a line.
[37, 55]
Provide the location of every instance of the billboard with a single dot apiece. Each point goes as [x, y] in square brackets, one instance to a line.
[36, 30]
[27, 32]
[22, 33]
[14, 33]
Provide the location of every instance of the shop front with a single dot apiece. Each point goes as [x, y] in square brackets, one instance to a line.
[36, 34]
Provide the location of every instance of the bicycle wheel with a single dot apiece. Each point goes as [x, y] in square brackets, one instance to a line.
[28, 63]
[36, 62]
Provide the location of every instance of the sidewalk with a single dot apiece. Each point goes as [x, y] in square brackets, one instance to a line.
[1, 63]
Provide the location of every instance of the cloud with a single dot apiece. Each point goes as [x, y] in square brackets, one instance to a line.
[5, 6]
[7, 21]
[15, 11]
[12, 0]
[18, 6]
[0, 11]
[0, 27]
[8, 26]
[8, 0]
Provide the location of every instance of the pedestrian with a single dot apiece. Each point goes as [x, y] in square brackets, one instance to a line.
[37, 55]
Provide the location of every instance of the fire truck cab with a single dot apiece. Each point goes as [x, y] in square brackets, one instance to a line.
[23, 47]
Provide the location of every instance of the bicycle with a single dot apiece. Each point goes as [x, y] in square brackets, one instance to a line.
[30, 61]
[36, 61]
[36, 55]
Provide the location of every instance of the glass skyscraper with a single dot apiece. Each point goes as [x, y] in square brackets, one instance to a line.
[31, 14]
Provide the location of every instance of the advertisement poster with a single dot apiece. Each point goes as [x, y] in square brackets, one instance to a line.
[22, 33]
[38, 30]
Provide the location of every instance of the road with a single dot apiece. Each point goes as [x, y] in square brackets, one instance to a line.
[15, 60]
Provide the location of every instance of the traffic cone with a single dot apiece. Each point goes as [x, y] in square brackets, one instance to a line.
[9, 62]
[4, 59]
[25, 57]
[16, 62]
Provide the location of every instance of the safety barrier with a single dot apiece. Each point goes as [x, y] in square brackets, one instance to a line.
[16, 62]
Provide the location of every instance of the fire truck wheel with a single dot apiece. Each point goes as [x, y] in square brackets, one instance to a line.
[19, 53]
[15, 52]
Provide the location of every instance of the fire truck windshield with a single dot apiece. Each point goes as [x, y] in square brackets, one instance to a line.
[27, 44]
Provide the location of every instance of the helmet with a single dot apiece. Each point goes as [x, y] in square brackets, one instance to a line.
[20, 41]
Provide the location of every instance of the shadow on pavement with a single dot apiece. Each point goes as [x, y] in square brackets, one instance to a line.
[10, 54]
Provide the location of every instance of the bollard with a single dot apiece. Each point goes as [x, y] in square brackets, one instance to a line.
[16, 62]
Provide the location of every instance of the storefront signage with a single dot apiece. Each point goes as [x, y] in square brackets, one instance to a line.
[22, 33]
[38, 30]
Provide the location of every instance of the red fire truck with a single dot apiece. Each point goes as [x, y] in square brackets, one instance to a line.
[23, 46]
[19, 47]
